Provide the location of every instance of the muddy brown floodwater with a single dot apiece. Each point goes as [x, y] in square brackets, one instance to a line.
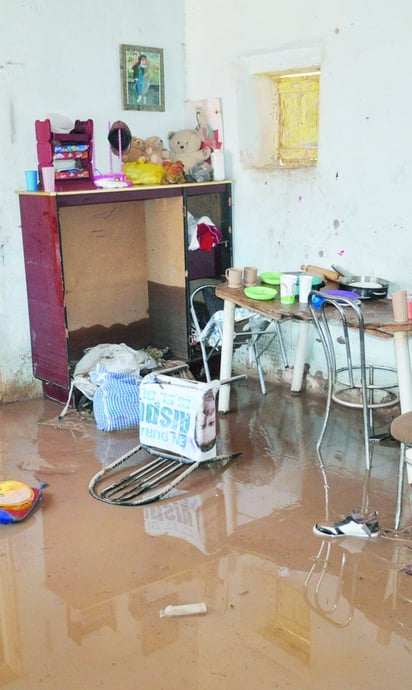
[83, 582]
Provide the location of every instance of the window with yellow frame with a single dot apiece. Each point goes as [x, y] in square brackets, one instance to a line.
[296, 117]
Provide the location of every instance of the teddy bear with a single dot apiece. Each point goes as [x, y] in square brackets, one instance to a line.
[186, 146]
[135, 151]
[173, 173]
[155, 151]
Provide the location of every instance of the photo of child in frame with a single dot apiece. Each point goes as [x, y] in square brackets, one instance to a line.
[142, 78]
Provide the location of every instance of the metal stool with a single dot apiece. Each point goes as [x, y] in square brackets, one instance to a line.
[355, 384]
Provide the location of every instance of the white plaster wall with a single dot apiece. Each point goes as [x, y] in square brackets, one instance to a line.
[353, 208]
[63, 57]
[357, 199]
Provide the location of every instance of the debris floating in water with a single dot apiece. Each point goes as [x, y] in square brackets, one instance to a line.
[183, 610]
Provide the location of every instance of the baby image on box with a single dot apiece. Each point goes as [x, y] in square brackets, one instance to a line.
[205, 423]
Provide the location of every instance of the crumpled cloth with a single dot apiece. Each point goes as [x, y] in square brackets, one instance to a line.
[203, 234]
[212, 332]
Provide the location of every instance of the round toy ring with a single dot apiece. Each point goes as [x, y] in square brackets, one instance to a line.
[14, 494]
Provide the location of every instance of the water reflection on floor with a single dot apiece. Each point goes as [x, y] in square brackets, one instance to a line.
[82, 582]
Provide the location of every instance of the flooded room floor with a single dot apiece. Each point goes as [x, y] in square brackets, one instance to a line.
[83, 582]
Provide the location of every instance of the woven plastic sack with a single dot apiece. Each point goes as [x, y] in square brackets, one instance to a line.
[116, 399]
[116, 358]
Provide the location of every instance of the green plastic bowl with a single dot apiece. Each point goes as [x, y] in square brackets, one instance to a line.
[270, 278]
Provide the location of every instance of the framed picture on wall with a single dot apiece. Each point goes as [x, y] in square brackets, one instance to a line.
[142, 77]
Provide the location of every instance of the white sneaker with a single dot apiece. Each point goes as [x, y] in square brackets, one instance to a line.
[354, 525]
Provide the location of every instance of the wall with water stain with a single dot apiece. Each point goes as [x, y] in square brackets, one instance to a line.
[352, 208]
[57, 61]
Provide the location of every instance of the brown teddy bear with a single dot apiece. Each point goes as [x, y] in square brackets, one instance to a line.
[133, 149]
[155, 151]
[135, 152]
[186, 146]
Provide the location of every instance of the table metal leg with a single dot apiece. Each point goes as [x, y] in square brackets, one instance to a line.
[226, 355]
[299, 366]
[399, 494]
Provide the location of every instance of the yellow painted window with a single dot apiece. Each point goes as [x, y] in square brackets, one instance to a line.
[296, 117]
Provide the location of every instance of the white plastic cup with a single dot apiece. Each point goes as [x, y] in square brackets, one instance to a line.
[287, 288]
[218, 164]
[48, 177]
[305, 286]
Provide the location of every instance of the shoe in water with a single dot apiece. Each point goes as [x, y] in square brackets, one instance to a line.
[354, 525]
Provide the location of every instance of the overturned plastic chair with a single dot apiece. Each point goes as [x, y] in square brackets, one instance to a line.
[145, 474]
[355, 384]
[207, 320]
[152, 480]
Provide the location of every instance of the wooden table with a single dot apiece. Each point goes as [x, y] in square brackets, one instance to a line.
[378, 318]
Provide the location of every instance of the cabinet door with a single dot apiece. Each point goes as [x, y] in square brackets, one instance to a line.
[208, 267]
[217, 206]
[43, 264]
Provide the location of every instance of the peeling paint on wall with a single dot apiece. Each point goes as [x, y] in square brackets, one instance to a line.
[19, 388]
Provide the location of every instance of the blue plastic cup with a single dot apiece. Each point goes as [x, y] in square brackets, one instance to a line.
[31, 180]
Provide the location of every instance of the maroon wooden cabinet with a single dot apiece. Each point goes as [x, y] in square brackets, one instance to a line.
[113, 266]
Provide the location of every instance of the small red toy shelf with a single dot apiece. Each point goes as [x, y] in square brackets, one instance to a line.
[75, 146]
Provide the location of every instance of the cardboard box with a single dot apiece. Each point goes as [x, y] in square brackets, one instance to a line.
[179, 416]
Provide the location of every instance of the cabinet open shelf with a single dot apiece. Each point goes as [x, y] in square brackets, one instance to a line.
[113, 266]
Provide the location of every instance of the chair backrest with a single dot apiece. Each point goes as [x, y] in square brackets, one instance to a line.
[203, 304]
[345, 313]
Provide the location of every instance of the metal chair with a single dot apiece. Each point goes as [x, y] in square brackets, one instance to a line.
[333, 606]
[207, 322]
[358, 383]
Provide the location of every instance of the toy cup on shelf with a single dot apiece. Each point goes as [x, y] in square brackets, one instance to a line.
[31, 180]
[287, 288]
[48, 177]
[249, 276]
[234, 277]
[409, 302]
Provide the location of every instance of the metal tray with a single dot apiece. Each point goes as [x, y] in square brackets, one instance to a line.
[367, 287]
